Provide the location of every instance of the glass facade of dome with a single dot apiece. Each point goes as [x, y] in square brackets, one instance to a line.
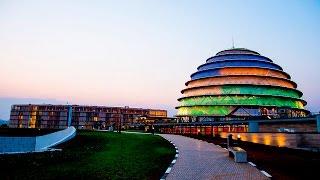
[240, 83]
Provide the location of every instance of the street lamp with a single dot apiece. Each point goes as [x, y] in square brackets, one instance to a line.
[152, 130]
[119, 124]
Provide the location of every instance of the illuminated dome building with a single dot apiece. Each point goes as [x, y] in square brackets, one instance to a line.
[240, 84]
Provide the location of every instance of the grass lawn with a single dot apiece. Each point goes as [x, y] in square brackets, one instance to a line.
[94, 155]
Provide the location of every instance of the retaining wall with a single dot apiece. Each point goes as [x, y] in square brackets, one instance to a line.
[49, 140]
[290, 140]
[36, 143]
[17, 144]
[297, 127]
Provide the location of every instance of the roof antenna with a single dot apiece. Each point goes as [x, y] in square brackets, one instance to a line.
[232, 43]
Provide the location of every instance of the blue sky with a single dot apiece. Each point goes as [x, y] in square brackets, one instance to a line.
[140, 53]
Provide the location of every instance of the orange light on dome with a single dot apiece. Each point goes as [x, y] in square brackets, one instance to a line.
[255, 80]
[252, 71]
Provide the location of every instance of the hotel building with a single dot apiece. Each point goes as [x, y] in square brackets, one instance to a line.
[81, 117]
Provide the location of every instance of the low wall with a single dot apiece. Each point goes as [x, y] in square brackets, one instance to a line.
[297, 127]
[36, 143]
[17, 144]
[49, 140]
[290, 140]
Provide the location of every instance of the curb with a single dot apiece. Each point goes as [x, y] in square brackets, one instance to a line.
[262, 171]
[172, 162]
[266, 174]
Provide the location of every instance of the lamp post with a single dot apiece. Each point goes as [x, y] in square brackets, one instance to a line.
[152, 130]
[119, 124]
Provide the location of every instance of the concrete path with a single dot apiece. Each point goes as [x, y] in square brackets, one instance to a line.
[201, 160]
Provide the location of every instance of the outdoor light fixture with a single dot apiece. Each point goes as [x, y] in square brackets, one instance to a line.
[239, 137]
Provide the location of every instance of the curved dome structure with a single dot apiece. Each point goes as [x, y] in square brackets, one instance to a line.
[240, 83]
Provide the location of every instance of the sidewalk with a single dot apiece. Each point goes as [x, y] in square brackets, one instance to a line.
[201, 160]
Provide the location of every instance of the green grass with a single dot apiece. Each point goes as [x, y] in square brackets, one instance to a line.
[95, 155]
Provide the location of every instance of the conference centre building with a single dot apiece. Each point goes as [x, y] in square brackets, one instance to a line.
[81, 117]
[240, 84]
[241, 93]
[239, 90]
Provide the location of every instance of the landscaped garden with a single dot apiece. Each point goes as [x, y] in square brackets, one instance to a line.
[94, 155]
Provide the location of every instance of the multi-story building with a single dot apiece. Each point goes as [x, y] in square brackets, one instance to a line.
[82, 117]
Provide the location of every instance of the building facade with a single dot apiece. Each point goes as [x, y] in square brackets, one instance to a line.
[81, 117]
[239, 84]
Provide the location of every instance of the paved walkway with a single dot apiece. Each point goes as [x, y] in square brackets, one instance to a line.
[201, 160]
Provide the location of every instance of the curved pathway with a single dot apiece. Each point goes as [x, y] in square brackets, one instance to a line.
[201, 160]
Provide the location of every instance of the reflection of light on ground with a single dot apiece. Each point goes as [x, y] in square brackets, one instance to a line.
[199, 145]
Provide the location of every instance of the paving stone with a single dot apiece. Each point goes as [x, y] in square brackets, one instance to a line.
[202, 160]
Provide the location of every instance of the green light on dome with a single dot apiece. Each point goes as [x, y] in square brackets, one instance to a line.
[249, 89]
[241, 100]
[205, 110]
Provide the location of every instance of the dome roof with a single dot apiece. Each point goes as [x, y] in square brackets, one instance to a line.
[239, 79]
[237, 51]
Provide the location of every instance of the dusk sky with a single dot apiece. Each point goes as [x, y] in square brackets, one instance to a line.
[140, 53]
